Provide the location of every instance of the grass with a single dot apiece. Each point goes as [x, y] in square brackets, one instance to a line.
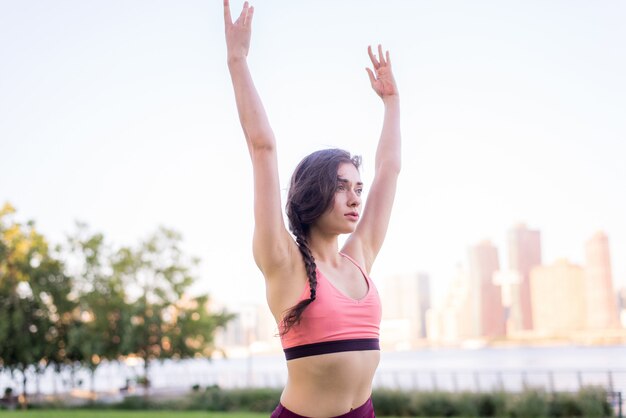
[89, 413]
[94, 413]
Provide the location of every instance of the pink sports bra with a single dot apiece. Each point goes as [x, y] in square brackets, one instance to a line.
[334, 322]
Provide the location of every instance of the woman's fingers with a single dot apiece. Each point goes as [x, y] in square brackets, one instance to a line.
[242, 16]
[227, 18]
[372, 57]
[382, 60]
[371, 76]
[248, 21]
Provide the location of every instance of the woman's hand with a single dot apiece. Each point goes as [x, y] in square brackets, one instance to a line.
[238, 33]
[383, 82]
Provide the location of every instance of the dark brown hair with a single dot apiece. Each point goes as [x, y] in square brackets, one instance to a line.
[311, 194]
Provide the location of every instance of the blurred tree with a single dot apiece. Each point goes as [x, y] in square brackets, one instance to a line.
[98, 304]
[165, 322]
[35, 310]
[101, 297]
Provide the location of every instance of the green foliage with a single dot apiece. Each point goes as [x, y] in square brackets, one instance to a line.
[393, 402]
[35, 311]
[89, 302]
[134, 301]
[492, 404]
[163, 323]
[97, 335]
[260, 400]
[532, 403]
[593, 402]
[436, 404]
[468, 404]
[565, 405]
[216, 399]
[589, 402]
[210, 399]
[107, 413]
[136, 403]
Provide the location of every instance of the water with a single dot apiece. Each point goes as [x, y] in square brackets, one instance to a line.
[558, 368]
[553, 368]
[526, 358]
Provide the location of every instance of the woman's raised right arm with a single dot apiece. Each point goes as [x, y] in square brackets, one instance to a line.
[271, 242]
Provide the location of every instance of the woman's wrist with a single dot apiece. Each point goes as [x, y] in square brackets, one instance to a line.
[391, 100]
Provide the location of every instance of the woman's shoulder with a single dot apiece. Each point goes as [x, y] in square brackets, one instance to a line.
[275, 257]
[286, 284]
[354, 250]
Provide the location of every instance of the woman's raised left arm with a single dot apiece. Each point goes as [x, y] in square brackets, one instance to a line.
[371, 230]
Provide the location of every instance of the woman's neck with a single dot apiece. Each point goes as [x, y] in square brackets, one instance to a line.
[325, 247]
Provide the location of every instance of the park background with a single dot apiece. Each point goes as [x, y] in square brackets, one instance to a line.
[121, 115]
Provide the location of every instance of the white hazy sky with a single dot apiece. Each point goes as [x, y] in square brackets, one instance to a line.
[121, 114]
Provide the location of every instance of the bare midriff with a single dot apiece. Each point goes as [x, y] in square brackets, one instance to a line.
[328, 385]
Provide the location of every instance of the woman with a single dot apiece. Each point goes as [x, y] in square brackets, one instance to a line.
[326, 307]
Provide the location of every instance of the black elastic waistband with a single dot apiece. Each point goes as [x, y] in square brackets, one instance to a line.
[327, 347]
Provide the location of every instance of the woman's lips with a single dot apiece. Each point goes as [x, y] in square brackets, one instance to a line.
[352, 216]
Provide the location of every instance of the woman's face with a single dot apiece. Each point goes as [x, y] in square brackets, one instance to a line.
[343, 215]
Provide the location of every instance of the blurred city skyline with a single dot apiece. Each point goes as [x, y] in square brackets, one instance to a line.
[524, 301]
[122, 115]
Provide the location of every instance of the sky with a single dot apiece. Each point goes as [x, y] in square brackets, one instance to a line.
[121, 114]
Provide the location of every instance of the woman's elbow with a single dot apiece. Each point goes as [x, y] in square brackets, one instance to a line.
[261, 142]
[390, 166]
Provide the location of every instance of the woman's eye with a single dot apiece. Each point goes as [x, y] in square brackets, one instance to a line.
[340, 186]
[359, 191]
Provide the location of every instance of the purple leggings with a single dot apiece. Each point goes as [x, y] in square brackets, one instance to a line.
[364, 411]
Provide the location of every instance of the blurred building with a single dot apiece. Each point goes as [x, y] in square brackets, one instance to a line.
[510, 282]
[558, 298]
[601, 304]
[424, 300]
[450, 323]
[253, 329]
[524, 246]
[489, 311]
[621, 302]
[405, 298]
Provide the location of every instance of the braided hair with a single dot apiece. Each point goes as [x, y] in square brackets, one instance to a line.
[311, 194]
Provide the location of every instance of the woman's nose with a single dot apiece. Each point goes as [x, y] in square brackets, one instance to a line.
[354, 199]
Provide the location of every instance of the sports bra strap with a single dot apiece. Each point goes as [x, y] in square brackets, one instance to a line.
[356, 264]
